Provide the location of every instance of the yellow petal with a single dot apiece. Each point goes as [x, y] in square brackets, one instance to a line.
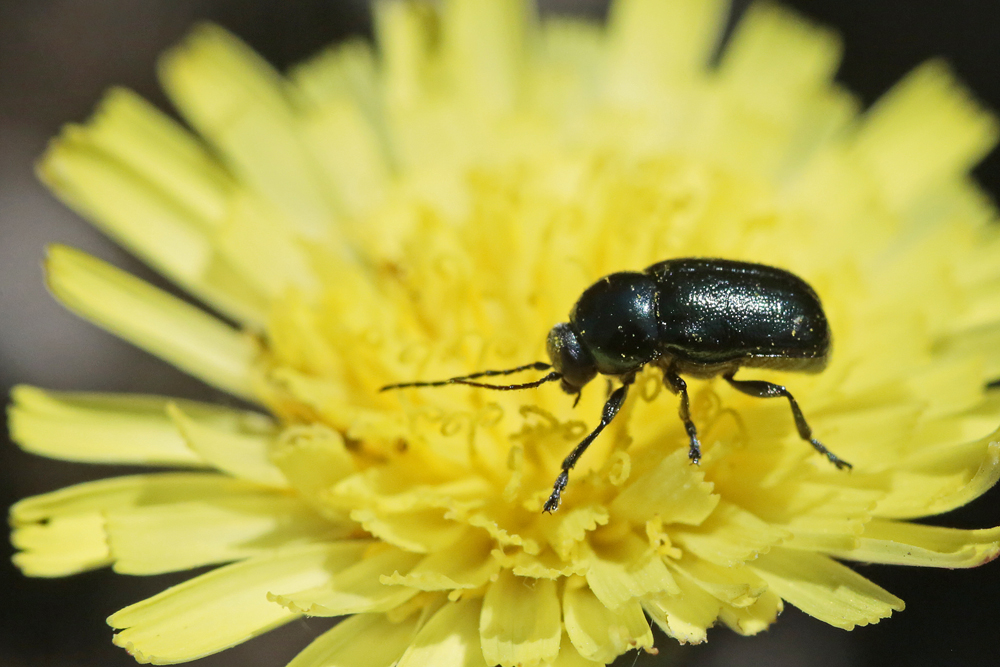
[407, 486]
[419, 531]
[570, 657]
[255, 240]
[239, 445]
[344, 131]
[151, 144]
[821, 516]
[626, 570]
[674, 490]
[520, 621]
[97, 428]
[65, 531]
[730, 536]
[450, 637]
[598, 633]
[653, 40]
[403, 34]
[159, 323]
[756, 618]
[563, 78]
[960, 380]
[356, 589]
[981, 341]
[348, 150]
[927, 127]
[940, 479]
[574, 525]
[467, 563]
[149, 184]
[365, 640]
[928, 546]
[239, 104]
[127, 207]
[345, 70]
[824, 588]
[313, 459]
[178, 536]
[483, 45]
[685, 616]
[736, 586]
[224, 607]
[775, 60]
[61, 546]
[122, 492]
[543, 565]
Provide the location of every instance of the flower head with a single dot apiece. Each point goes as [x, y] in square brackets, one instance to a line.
[432, 211]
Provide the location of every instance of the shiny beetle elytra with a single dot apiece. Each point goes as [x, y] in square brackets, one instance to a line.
[696, 317]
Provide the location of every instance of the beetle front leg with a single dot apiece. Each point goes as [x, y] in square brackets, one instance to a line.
[761, 389]
[611, 408]
[678, 386]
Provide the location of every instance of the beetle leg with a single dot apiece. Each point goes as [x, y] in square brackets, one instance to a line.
[761, 389]
[611, 408]
[679, 386]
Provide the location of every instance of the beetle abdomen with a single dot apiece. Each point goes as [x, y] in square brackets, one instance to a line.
[716, 312]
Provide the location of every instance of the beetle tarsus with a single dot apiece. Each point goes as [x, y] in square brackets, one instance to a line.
[552, 504]
[833, 458]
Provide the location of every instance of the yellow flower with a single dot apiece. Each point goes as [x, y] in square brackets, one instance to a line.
[432, 210]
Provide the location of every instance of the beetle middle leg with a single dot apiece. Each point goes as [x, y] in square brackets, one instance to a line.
[761, 389]
[611, 408]
[679, 386]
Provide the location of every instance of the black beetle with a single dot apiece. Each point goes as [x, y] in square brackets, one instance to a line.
[697, 317]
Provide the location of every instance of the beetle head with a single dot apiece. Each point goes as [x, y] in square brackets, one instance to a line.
[570, 358]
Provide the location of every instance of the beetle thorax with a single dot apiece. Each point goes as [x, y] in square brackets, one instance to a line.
[615, 320]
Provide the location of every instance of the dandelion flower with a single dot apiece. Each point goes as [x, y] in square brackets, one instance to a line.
[430, 207]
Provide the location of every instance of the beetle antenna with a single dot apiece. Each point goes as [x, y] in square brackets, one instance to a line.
[467, 379]
[508, 387]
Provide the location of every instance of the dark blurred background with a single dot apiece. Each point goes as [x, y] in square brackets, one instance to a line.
[58, 56]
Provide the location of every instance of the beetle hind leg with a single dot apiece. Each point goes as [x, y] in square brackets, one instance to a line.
[761, 389]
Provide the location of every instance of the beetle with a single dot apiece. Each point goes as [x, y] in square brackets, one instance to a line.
[690, 316]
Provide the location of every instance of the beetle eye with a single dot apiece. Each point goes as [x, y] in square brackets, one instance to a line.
[570, 358]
